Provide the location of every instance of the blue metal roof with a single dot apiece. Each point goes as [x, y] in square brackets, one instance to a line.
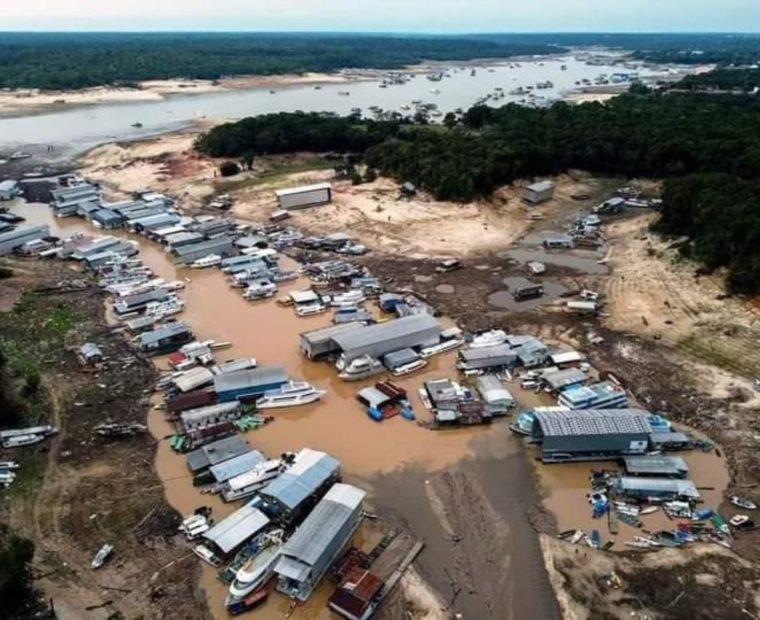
[237, 465]
[303, 478]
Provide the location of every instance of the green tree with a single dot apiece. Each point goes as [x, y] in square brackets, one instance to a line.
[229, 169]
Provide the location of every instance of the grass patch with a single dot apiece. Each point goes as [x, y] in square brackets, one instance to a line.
[732, 357]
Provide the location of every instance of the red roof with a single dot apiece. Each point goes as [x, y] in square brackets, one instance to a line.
[190, 400]
[176, 358]
[356, 592]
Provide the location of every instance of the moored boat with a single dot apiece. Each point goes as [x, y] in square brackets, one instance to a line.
[254, 574]
[207, 261]
[290, 395]
[743, 502]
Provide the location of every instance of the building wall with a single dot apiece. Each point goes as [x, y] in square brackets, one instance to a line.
[21, 236]
[305, 199]
[593, 443]
[420, 338]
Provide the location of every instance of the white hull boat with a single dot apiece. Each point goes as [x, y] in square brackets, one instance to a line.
[290, 395]
[491, 338]
[409, 368]
[101, 556]
[310, 309]
[254, 574]
[446, 345]
[251, 481]
[207, 261]
[360, 368]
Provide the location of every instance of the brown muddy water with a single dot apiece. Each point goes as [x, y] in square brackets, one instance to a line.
[391, 459]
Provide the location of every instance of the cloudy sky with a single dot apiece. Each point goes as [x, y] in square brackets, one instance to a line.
[384, 15]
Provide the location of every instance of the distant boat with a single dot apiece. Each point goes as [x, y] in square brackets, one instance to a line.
[20, 155]
[272, 92]
[101, 556]
[207, 261]
[137, 125]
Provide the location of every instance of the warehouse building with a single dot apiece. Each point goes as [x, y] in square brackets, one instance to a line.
[105, 218]
[295, 492]
[316, 544]
[216, 452]
[564, 379]
[304, 196]
[9, 189]
[247, 384]
[605, 395]
[487, 358]
[16, 238]
[210, 415]
[232, 531]
[189, 253]
[662, 466]
[419, 330]
[666, 489]
[536, 193]
[590, 435]
[497, 398]
[237, 465]
[165, 339]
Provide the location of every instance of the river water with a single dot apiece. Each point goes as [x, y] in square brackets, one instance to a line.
[73, 130]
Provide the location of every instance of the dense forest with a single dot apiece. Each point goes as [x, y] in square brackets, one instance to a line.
[70, 61]
[707, 142]
[736, 79]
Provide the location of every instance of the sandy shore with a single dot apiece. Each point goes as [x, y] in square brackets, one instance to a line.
[24, 102]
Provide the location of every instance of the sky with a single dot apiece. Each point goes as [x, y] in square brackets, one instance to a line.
[444, 16]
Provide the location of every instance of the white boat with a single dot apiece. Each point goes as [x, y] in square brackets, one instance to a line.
[406, 369]
[161, 309]
[254, 574]
[743, 502]
[7, 478]
[310, 309]
[489, 339]
[9, 465]
[208, 556]
[441, 347]
[251, 481]
[349, 297]
[101, 556]
[207, 261]
[194, 526]
[174, 285]
[424, 398]
[20, 155]
[22, 440]
[291, 394]
[260, 290]
[649, 510]
[359, 368]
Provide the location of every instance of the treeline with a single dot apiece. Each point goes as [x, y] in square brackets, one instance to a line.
[736, 79]
[655, 134]
[78, 60]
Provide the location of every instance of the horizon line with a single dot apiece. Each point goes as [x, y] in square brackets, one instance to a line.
[392, 32]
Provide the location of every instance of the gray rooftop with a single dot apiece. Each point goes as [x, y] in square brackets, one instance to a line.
[479, 353]
[684, 488]
[652, 465]
[327, 333]
[236, 465]
[252, 377]
[234, 530]
[593, 422]
[157, 335]
[216, 452]
[562, 378]
[384, 331]
[305, 476]
[317, 532]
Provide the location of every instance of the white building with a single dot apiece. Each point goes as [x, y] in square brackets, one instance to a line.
[304, 196]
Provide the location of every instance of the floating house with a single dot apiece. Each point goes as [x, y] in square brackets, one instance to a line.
[497, 399]
[294, 493]
[210, 415]
[9, 189]
[666, 489]
[590, 435]
[536, 193]
[248, 384]
[105, 218]
[186, 254]
[232, 531]
[358, 594]
[605, 395]
[216, 452]
[564, 379]
[487, 358]
[9, 241]
[316, 544]
[165, 339]
[662, 466]
[304, 196]
[319, 342]
[237, 465]
[138, 302]
[190, 400]
[419, 330]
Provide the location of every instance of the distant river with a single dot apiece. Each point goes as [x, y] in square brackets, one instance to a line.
[74, 130]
